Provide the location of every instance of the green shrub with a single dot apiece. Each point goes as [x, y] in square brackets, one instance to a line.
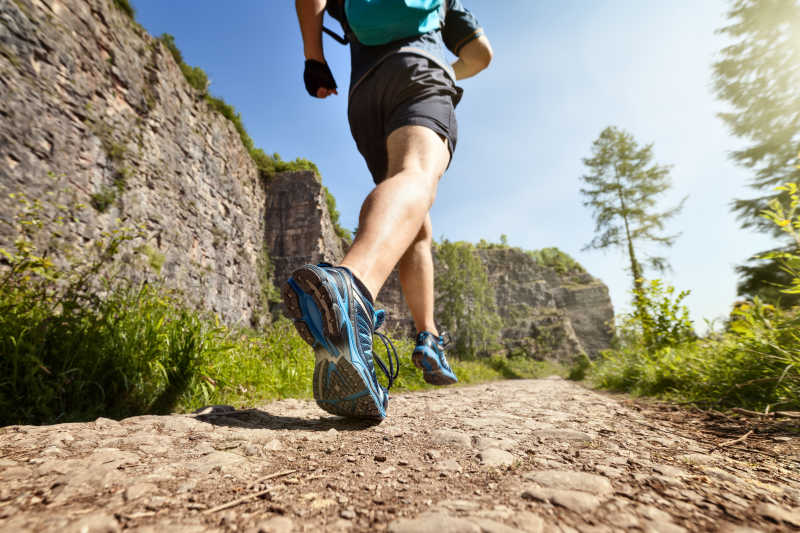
[102, 200]
[169, 41]
[125, 7]
[468, 307]
[334, 213]
[196, 77]
[659, 318]
[754, 363]
[554, 258]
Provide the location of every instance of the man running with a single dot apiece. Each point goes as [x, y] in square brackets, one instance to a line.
[401, 112]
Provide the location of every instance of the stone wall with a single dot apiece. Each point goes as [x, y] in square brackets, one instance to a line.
[95, 106]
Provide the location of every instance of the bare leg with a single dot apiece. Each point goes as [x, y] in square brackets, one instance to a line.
[416, 278]
[394, 212]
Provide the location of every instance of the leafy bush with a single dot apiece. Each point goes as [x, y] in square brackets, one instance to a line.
[125, 7]
[102, 200]
[334, 213]
[168, 40]
[554, 258]
[754, 363]
[658, 319]
[468, 307]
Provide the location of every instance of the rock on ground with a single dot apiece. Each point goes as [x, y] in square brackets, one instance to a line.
[533, 456]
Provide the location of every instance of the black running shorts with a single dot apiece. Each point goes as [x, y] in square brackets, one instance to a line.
[404, 90]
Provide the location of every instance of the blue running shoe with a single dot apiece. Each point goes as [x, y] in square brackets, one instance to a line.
[429, 356]
[338, 321]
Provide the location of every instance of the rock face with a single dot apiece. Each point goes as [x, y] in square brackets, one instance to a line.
[97, 109]
[545, 314]
[298, 226]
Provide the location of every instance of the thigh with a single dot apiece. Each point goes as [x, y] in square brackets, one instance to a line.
[406, 90]
[417, 149]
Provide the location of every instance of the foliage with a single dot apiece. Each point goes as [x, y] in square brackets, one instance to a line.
[125, 7]
[788, 221]
[554, 258]
[758, 75]
[74, 343]
[580, 366]
[195, 76]
[334, 213]
[468, 308]
[754, 363]
[622, 189]
[660, 320]
[102, 200]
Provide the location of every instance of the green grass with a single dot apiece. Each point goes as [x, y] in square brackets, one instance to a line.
[78, 341]
[754, 363]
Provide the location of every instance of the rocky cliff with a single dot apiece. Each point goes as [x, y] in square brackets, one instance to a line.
[97, 110]
[94, 105]
[298, 226]
[548, 314]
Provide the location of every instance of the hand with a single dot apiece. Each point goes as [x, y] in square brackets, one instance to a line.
[319, 79]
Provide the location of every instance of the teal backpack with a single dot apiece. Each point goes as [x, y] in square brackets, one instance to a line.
[376, 22]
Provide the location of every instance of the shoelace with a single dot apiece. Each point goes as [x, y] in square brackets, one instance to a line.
[445, 339]
[394, 368]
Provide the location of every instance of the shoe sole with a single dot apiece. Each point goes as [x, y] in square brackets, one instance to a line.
[337, 384]
[435, 376]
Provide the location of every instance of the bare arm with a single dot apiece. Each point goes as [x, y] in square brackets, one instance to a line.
[473, 58]
[310, 14]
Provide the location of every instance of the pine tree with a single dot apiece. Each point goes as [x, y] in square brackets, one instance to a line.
[759, 77]
[623, 186]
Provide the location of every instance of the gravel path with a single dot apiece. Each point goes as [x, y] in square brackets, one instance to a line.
[533, 456]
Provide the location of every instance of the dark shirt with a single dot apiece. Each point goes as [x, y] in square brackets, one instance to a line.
[460, 27]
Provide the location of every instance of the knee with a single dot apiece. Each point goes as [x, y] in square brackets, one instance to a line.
[425, 235]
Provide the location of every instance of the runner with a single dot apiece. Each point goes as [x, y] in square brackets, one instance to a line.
[401, 111]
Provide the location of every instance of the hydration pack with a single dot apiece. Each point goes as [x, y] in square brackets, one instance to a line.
[376, 22]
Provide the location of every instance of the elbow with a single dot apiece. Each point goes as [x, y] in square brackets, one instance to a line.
[485, 57]
[480, 53]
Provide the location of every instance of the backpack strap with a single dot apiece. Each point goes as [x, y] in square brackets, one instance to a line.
[338, 5]
[342, 39]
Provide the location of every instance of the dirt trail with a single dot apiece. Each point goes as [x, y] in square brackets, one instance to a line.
[541, 455]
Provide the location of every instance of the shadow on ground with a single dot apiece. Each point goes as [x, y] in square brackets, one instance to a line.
[224, 415]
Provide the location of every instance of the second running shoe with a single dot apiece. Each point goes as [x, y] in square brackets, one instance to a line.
[429, 356]
[338, 321]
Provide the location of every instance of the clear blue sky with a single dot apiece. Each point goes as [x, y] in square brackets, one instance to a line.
[562, 72]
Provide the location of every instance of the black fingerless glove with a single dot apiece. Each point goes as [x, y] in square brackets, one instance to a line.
[317, 75]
